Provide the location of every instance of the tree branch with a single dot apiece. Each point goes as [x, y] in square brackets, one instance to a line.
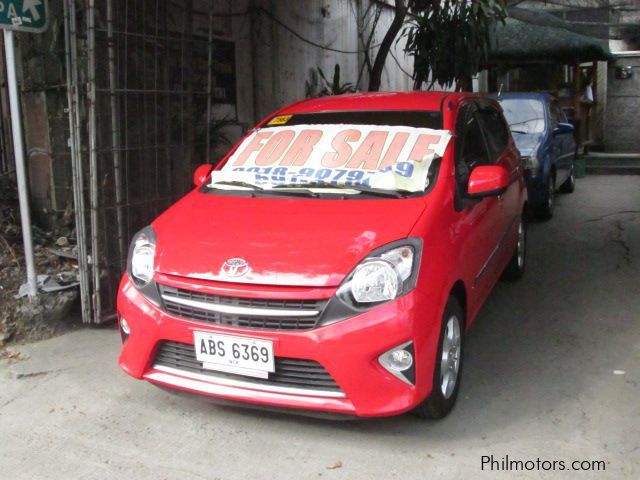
[381, 57]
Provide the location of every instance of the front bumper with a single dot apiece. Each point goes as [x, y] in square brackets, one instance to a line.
[536, 187]
[348, 350]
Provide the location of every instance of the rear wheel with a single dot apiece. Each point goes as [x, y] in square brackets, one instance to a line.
[570, 183]
[545, 211]
[448, 369]
[515, 267]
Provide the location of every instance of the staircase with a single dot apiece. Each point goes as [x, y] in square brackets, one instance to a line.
[603, 163]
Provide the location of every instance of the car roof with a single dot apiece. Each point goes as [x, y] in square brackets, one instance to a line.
[431, 101]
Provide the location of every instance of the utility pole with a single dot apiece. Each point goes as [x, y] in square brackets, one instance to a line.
[21, 174]
[21, 16]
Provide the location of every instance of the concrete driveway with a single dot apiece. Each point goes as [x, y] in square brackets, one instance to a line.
[552, 372]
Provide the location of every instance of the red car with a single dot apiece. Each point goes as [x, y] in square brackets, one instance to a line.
[333, 260]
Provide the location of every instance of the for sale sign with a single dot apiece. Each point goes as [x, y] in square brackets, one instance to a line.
[373, 156]
[24, 15]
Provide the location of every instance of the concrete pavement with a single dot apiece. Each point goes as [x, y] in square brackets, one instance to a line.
[552, 372]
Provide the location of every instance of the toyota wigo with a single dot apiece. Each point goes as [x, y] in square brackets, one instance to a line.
[333, 260]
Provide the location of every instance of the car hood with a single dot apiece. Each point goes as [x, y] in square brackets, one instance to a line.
[528, 143]
[285, 241]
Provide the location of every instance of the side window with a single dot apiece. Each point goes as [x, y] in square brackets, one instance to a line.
[471, 151]
[556, 114]
[470, 147]
[495, 130]
[563, 116]
[474, 151]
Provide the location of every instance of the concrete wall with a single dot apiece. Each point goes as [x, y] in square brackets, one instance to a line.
[623, 107]
[273, 65]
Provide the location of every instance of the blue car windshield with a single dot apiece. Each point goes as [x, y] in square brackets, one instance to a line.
[524, 115]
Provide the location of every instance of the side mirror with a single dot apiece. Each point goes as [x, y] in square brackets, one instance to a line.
[201, 174]
[563, 128]
[487, 180]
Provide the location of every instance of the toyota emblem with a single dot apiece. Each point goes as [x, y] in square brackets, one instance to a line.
[235, 267]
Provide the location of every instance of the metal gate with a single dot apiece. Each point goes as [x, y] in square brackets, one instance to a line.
[139, 81]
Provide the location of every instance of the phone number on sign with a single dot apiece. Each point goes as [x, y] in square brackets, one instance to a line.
[330, 176]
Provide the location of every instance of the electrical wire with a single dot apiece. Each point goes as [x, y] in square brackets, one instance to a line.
[399, 65]
[281, 24]
[277, 21]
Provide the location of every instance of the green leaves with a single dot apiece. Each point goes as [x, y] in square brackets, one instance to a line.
[334, 87]
[449, 40]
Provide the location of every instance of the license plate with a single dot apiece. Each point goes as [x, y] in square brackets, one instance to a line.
[241, 355]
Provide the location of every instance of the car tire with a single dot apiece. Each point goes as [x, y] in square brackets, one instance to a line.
[445, 387]
[570, 183]
[545, 210]
[516, 266]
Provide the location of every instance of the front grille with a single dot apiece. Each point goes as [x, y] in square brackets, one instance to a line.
[171, 298]
[290, 372]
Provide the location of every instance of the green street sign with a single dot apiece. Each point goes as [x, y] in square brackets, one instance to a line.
[24, 15]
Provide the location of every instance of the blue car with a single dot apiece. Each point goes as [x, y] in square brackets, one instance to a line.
[545, 140]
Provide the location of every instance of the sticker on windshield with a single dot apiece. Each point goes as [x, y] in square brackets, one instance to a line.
[280, 120]
[358, 156]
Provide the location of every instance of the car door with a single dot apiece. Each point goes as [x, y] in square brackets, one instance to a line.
[504, 154]
[480, 222]
[568, 143]
[563, 145]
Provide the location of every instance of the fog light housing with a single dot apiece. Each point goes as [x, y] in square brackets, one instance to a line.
[399, 362]
[125, 329]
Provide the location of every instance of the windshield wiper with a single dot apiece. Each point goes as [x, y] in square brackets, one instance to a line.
[519, 131]
[305, 189]
[524, 122]
[360, 188]
[379, 192]
[304, 185]
[261, 190]
[255, 188]
[233, 183]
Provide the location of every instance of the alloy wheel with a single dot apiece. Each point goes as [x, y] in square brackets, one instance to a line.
[551, 195]
[450, 360]
[521, 245]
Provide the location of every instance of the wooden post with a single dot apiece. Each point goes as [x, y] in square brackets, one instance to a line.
[577, 112]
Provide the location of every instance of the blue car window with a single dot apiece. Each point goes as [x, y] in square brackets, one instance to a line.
[557, 115]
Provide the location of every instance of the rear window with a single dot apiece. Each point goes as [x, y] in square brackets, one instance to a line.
[400, 118]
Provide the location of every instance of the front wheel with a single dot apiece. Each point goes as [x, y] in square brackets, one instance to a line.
[545, 210]
[448, 367]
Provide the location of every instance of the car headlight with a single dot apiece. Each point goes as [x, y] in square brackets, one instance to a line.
[375, 281]
[384, 275]
[531, 162]
[141, 257]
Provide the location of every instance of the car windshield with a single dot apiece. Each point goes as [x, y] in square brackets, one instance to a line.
[524, 115]
[387, 154]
